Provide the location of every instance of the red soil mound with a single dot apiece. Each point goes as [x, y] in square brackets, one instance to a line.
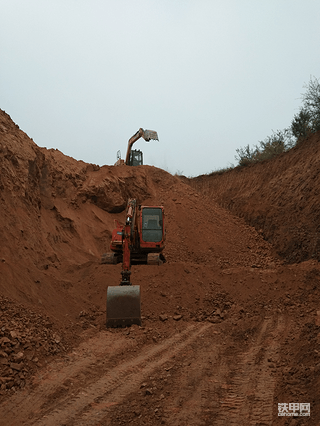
[57, 215]
[56, 219]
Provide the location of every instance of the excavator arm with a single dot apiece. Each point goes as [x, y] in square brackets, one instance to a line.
[147, 135]
[124, 301]
[128, 236]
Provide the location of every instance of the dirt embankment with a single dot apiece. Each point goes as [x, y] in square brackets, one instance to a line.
[56, 219]
[279, 197]
[228, 331]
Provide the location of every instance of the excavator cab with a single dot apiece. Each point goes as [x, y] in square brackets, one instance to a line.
[136, 158]
[152, 224]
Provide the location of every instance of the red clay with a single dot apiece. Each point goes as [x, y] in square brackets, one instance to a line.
[230, 329]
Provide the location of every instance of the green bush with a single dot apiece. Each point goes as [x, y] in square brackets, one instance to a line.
[245, 156]
[301, 125]
[279, 142]
[311, 103]
[306, 122]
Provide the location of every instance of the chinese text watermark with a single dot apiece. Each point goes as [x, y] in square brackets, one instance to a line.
[294, 409]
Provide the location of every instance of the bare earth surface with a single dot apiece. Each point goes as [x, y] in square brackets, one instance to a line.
[230, 328]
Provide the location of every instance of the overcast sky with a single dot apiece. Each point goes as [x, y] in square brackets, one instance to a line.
[210, 76]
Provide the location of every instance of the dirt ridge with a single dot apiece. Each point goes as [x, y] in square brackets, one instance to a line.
[279, 197]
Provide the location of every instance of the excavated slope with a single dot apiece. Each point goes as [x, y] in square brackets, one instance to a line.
[57, 215]
[279, 197]
[226, 325]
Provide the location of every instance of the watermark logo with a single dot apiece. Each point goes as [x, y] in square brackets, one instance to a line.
[293, 409]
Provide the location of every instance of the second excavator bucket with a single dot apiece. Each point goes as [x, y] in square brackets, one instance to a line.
[150, 134]
[123, 305]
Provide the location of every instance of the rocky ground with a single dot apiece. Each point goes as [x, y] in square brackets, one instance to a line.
[231, 322]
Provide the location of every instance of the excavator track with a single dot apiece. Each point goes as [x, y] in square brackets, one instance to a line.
[109, 258]
[154, 259]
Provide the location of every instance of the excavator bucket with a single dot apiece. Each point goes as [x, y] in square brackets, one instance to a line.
[150, 134]
[123, 305]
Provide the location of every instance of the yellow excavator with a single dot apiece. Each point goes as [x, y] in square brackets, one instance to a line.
[134, 157]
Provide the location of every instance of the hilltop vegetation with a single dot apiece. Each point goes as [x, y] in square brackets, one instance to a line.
[305, 123]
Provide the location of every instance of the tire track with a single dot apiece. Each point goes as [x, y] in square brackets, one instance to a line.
[248, 397]
[51, 379]
[220, 384]
[213, 381]
[93, 401]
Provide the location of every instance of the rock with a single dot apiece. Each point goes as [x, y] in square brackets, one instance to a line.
[163, 317]
[57, 338]
[5, 340]
[16, 366]
[148, 391]
[293, 382]
[177, 317]
[30, 356]
[19, 356]
[214, 320]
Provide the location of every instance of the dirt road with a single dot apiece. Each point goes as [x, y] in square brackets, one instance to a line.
[202, 374]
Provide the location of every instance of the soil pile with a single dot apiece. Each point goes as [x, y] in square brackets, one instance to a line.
[224, 302]
[57, 215]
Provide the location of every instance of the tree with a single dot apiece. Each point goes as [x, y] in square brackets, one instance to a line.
[301, 125]
[311, 103]
[245, 155]
[279, 142]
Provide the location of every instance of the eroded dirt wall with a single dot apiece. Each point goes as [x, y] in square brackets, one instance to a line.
[279, 197]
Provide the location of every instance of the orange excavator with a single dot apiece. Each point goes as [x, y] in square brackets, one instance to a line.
[139, 241]
[134, 157]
